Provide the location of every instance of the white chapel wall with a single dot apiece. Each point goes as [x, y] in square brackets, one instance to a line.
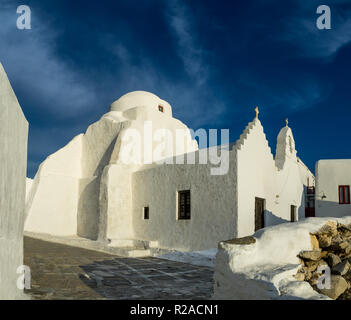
[52, 202]
[116, 193]
[256, 177]
[213, 205]
[281, 182]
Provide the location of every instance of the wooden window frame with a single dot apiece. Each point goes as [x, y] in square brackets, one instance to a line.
[187, 207]
[344, 192]
[161, 108]
[146, 213]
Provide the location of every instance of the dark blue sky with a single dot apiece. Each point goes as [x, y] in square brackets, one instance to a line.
[214, 61]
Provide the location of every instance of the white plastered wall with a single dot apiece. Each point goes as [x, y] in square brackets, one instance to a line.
[98, 144]
[213, 205]
[116, 193]
[290, 190]
[280, 181]
[52, 202]
[100, 195]
[330, 174]
[64, 197]
[293, 176]
[84, 188]
[115, 220]
[308, 180]
[13, 159]
[256, 176]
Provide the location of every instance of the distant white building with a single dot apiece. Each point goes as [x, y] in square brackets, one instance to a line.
[93, 188]
[333, 180]
[13, 167]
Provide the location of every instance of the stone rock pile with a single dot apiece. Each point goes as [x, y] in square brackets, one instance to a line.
[330, 258]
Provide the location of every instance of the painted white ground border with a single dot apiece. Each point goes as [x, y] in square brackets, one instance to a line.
[265, 269]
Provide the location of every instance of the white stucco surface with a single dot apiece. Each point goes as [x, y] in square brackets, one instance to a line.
[85, 188]
[29, 183]
[280, 181]
[13, 159]
[97, 186]
[330, 174]
[213, 215]
[265, 269]
[52, 204]
[140, 99]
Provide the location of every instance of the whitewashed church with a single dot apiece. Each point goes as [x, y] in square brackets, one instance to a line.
[86, 190]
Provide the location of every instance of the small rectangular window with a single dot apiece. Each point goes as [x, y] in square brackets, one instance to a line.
[184, 205]
[344, 194]
[292, 213]
[146, 213]
[160, 108]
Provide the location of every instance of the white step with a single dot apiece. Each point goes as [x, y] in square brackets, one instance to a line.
[139, 253]
[153, 244]
[121, 243]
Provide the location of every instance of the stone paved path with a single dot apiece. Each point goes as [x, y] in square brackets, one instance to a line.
[63, 272]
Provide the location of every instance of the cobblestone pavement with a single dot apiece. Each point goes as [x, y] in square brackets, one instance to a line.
[63, 272]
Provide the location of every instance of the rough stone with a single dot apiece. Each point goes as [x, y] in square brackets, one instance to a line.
[324, 240]
[311, 265]
[314, 278]
[314, 242]
[322, 263]
[338, 285]
[241, 241]
[329, 228]
[300, 276]
[310, 255]
[341, 268]
[334, 241]
[344, 245]
[340, 246]
[333, 260]
[344, 230]
[344, 226]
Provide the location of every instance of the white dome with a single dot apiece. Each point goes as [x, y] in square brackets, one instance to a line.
[140, 99]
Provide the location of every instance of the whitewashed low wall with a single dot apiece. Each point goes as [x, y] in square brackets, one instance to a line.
[264, 269]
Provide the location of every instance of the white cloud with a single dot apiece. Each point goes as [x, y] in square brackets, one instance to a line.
[301, 30]
[188, 48]
[55, 90]
[195, 105]
[62, 91]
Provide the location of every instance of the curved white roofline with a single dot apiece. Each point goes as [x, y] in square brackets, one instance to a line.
[140, 99]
